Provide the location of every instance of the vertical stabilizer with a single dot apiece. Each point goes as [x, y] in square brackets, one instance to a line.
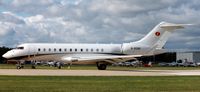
[160, 34]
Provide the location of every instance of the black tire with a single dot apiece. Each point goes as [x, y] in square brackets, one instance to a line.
[33, 67]
[101, 66]
[59, 67]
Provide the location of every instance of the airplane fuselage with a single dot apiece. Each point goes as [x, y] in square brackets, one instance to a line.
[53, 51]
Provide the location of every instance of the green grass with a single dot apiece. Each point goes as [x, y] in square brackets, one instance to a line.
[99, 84]
[93, 67]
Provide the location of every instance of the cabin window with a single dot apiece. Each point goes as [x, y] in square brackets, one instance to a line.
[91, 50]
[132, 48]
[60, 49]
[81, 50]
[49, 49]
[70, 50]
[65, 49]
[97, 50]
[87, 50]
[101, 50]
[136, 48]
[38, 49]
[54, 49]
[44, 49]
[75, 50]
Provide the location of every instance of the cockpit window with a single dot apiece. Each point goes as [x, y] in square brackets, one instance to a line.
[20, 48]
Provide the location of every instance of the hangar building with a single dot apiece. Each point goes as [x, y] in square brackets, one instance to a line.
[174, 55]
[189, 56]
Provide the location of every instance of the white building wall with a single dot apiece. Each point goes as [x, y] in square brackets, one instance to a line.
[196, 57]
[183, 56]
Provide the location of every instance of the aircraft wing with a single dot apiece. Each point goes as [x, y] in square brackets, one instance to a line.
[98, 58]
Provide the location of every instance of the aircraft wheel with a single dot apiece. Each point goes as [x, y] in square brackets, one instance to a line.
[101, 66]
[58, 64]
[59, 67]
[33, 67]
[19, 67]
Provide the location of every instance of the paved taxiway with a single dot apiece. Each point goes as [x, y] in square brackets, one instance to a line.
[42, 72]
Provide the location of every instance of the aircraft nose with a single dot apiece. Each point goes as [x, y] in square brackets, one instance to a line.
[5, 55]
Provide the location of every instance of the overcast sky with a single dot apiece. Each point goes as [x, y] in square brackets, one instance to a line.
[96, 21]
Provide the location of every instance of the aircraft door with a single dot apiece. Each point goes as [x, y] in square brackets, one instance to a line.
[32, 50]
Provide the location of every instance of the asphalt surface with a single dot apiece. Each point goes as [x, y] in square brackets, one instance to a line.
[42, 72]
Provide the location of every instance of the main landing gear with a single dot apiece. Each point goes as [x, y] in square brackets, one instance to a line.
[101, 66]
[33, 64]
[59, 65]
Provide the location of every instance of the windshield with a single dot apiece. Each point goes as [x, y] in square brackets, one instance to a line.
[20, 48]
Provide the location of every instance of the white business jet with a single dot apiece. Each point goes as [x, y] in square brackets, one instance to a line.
[99, 54]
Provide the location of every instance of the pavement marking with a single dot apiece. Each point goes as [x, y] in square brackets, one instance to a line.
[187, 73]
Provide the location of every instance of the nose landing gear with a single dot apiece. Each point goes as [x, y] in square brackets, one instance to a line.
[20, 65]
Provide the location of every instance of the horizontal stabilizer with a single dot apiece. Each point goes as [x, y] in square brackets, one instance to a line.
[174, 26]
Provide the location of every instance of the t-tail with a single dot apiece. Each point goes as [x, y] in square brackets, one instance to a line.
[155, 39]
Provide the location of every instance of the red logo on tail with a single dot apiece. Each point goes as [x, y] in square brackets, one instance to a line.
[157, 33]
